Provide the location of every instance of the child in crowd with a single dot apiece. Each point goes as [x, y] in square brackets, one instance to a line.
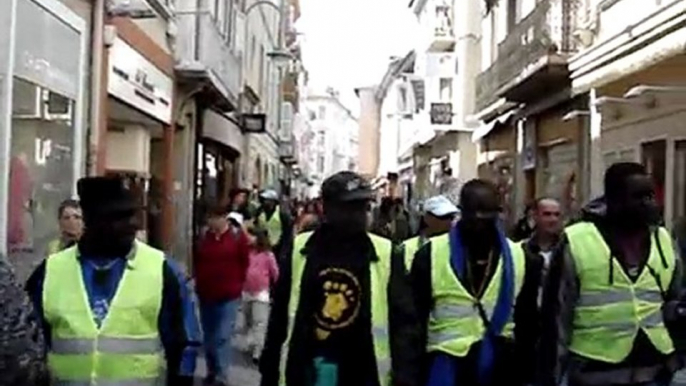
[262, 274]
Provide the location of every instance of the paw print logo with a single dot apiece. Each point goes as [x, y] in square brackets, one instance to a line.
[338, 298]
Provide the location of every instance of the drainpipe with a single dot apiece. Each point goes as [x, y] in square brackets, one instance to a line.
[98, 116]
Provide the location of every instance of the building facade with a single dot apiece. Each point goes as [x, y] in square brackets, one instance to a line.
[529, 143]
[335, 144]
[570, 87]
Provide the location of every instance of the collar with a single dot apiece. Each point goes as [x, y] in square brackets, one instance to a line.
[325, 236]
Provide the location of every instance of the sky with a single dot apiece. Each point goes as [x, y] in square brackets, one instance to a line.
[348, 43]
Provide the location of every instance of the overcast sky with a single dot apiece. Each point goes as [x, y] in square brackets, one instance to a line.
[348, 43]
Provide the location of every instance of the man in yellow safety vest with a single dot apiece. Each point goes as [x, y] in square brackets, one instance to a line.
[476, 295]
[276, 221]
[115, 311]
[341, 289]
[438, 214]
[604, 314]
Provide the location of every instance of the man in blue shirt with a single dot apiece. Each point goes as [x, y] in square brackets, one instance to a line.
[105, 252]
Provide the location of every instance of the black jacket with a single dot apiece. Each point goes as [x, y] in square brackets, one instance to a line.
[402, 318]
[560, 297]
[515, 360]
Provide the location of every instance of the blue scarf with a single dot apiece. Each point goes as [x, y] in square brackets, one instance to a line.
[444, 368]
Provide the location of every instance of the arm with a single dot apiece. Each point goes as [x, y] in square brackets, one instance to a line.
[273, 269]
[526, 319]
[34, 287]
[420, 280]
[560, 295]
[278, 324]
[407, 348]
[179, 327]
[22, 347]
[244, 256]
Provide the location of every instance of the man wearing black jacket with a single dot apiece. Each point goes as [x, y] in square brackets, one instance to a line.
[604, 312]
[461, 281]
[342, 313]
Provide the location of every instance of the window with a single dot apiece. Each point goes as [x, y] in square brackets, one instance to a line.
[253, 50]
[654, 158]
[260, 81]
[320, 164]
[679, 212]
[320, 139]
[322, 112]
[512, 14]
[446, 89]
[41, 151]
[312, 115]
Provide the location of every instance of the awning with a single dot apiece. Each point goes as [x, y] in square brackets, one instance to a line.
[218, 127]
[486, 128]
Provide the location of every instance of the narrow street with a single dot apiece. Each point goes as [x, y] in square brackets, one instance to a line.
[242, 372]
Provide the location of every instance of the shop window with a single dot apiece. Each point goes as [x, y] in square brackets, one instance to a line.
[41, 167]
[679, 203]
[654, 158]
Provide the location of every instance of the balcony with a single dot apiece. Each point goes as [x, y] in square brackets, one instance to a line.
[532, 60]
[204, 57]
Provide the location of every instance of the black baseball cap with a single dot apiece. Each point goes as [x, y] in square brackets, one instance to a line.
[346, 186]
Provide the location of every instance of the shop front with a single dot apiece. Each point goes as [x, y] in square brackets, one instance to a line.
[43, 63]
[138, 124]
[218, 166]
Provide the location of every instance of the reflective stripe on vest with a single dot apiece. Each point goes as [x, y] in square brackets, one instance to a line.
[411, 247]
[454, 323]
[611, 307]
[380, 272]
[273, 225]
[126, 349]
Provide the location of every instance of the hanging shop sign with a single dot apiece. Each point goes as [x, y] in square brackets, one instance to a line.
[254, 123]
[138, 83]
[441, 113]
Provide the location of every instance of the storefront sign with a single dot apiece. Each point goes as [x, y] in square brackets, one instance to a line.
[138, 83]
[441, 113]
[254, 123]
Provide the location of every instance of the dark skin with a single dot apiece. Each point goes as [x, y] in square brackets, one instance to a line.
[109, 234]
[350, 217]
[635, 208]
[480, 211]
[269, 207]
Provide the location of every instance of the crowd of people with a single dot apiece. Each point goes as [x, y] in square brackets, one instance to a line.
[339, 292]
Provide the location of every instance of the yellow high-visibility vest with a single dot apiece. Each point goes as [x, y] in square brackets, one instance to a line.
[273, 225]
[126, 349]
[380, 272]
[455, 324]
[411, 247]
[612, 308]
